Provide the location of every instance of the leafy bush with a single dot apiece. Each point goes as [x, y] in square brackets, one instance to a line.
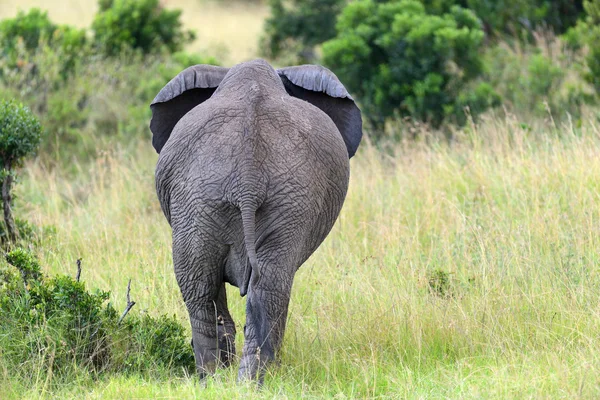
[587, 33]
[537, 79]
[401, 61]
[31, 27]
[138, 24]
[516, 17]
[298, 26]
[34, 28]
[104, 101]
[28, 232]
[57, 324]
[20, 135]
[439, 282]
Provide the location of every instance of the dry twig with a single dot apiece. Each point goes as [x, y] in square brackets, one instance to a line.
[78, 270]
[130, 303]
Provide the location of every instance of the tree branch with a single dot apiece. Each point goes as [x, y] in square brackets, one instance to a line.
[130, 303]
[11, 228]
[78, 270]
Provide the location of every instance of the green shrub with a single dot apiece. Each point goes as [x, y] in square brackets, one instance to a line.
[587, 33]
[160, 341]
[26, 264]
[20, 135]
[103, 103]
[401, 61]
[138, 24]
[298, 26]
[516, 17]
[30, 27]
[534, 81]
[28, 232]
[57, 324]
[33, 29]
[440, 284]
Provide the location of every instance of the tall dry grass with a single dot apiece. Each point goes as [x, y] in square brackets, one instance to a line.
[462, 270]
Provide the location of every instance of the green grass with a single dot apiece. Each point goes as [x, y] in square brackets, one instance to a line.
[462, 271]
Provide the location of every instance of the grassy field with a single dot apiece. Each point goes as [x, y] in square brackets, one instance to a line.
[467, 270]
[462, 271]
[227, 29]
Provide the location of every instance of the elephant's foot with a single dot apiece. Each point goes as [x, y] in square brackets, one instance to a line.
[253, 365]
[205, 349]
[265, 324]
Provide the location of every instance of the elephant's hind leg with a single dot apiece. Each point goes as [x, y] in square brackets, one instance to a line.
[198, 264]
[226, 329]
[266, 315]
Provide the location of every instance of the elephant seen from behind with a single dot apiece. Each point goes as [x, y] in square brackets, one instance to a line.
[252, 172]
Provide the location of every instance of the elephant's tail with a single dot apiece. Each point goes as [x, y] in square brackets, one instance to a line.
[251, 184]
[249, 225]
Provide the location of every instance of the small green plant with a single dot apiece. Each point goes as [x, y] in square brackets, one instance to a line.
[401, 61]
[440, 283]
[26, 264]
[20, 135]
[140, 25]
[59, 324]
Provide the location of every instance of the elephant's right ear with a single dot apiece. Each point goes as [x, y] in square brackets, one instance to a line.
[320, 87]
[189, 88]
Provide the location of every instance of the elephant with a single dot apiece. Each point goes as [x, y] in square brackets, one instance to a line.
[252, 172]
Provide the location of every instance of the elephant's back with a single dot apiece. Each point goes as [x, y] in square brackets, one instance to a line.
[300, 132]
[286, 143]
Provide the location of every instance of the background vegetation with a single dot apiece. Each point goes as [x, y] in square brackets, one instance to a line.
[463, 265]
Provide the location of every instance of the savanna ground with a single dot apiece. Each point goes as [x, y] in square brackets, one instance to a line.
[461, 270]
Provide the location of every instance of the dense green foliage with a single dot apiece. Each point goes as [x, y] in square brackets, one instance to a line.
[20, 133]
[27, 31]
[401, 61]
[298, 26]
[30, 27]
[57, 324]
[35, 26]
[428, 60]
[516, 17]
[138, 24]
[587, 34]
[104, 101]
[83, 92]
[537, 82]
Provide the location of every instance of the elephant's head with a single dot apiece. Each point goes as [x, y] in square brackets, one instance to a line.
[312, 83]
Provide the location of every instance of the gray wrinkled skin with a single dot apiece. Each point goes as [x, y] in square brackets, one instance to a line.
[250, 170]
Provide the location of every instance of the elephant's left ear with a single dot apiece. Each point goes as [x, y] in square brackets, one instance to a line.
[190, 87]
[320, 87]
